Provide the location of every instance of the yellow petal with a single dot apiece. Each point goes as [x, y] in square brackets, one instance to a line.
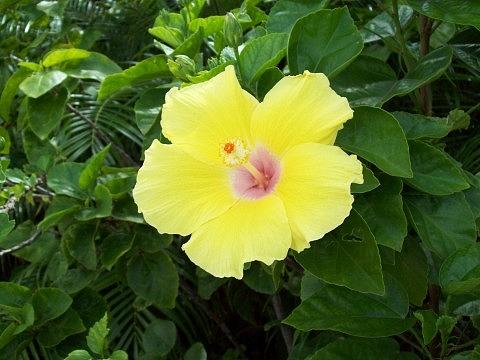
[250, 230]
[299, 109]
[177, 193]
[203, 116]
[315, 190]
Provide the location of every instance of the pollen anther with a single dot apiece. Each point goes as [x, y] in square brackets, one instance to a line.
[234, 152]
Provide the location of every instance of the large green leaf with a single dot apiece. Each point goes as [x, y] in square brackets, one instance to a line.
[460, 273]
[383, 26]
[371, 81]
[40, 83]
[444, 223]
[63, 179]
[60, 328]
[9, 91]
[340, 309]
[325, 41]
[96, 66]
[418, 126]
[358, 349]
[159, 338]
[348, 257]
[39, 153]
[464, 12]
[80, 242]
[382, 209]
[113, 247]
[466, 47]
[102, 206]
[147, 108]
[433, 171]
[370, 182]
[152, 68]
[411, 270]
[59, 56]
[154, 278]
[46, 111]
[88, 176]
[97, 336]
[49, 303]
[376, 136]
[261, 54]
[285, 13]
[13, 295]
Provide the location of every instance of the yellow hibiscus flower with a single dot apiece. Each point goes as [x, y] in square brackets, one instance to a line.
[248, 180]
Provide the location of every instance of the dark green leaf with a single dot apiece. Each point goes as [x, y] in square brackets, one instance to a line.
[88, 176]
[39, 153]
[75, 280]
[154, 278]
[465, 12]
[79, 355]
[433, 171]
[6, 225]
[383, 26]
[13, 295]
[191, 45]
[40, 83]
[63, 179]
[159, 338]
[267, 81]
[370, 182]
[115, 246]
[147, 108]
[429, 324]
[376, 136]
[80, 242]
[61, 328]
[382, 209]
[196, 352]
[45, 112]
[102, 208]
[260, 54]
[460, 273]
[418, 126]
[9, 91]
[358, 349]
[340, 309]
[444, 223]
[348, 257]
[259, 279]
[285, 13]
[325, 41]
[49, 303]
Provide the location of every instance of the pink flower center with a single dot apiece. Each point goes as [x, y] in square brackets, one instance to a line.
[257, 177]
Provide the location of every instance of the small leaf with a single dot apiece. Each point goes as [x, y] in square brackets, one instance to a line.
[45, 112]
[325, 41]
[80, 242]
[460, 272]
[49, 303]
[102, 208]
[97, 336]
[196, 352]
[9, 91]
[114, 247]
[79, 355]
[63, 179]
[147, 108]
[40, 83]
[429, 324]
[88, 176]
[60, 328]
[370, 182]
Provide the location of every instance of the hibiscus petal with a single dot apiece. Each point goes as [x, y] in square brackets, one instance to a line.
[177, 193]
[203, 116]
[250, 230]
[315, 190]
[299, 109]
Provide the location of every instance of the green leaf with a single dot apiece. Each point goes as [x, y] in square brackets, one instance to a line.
[59, 56]
[259, 279]
[56, 330]
[340, 309]
[45, 112]
[460, 272]
[429, 324]
[445, 325]
[285, 13]
[49, 303]
[410, 269]
[154, 278]
[60, 207]
[102, 208]
[79, 355]
[38, 84]
[80, 241]
[210, 25]
[382, 26]
[376, 136]
[444, 223]
[97, 336]
[159, 338]
[147, 108]
[260, 54]
[13, 295]
[119, 355]
[418, 126]
[75, 280]
[433, 170]
[325, 41]
[114, 247]
[370, 81]
[267, 81]
[96, 66]
[207, 284]
[88, 176]
[370, 182]
[464, 12]
[6, 225]
[466, 47]
[39, 153]
[348, 257]
[196, 352]
[63, 179]
[382, 209]
[191, 45]
[9, 91]
[152, 68]
[358, 349]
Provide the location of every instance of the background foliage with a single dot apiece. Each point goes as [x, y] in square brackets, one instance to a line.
[82, 86]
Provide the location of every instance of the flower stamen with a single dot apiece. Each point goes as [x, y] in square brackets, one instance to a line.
[234, 152]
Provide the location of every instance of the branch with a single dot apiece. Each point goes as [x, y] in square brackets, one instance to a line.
[23, 244]
[280, 314]
[9, 205]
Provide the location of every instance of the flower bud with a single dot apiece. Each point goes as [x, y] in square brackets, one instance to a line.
[181, 67]
[232, 31]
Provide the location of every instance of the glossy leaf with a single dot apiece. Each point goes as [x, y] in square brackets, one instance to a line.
[433, 171]
[463, 12]
[382, 26]
[444, 223]
[460, 273]
[376, 136]
[40, 83]
[97, 336]
[325, 41]
[59, 56]
[80, 242]
[147, 108]
[113, 247]
[348, 257]
[285, 13]
[49, 303]
[418, 126]
[358, 349]
[63, 179]
[370, 182]
[89, 174]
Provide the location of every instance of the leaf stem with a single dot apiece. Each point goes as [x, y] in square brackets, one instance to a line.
[280, 314]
